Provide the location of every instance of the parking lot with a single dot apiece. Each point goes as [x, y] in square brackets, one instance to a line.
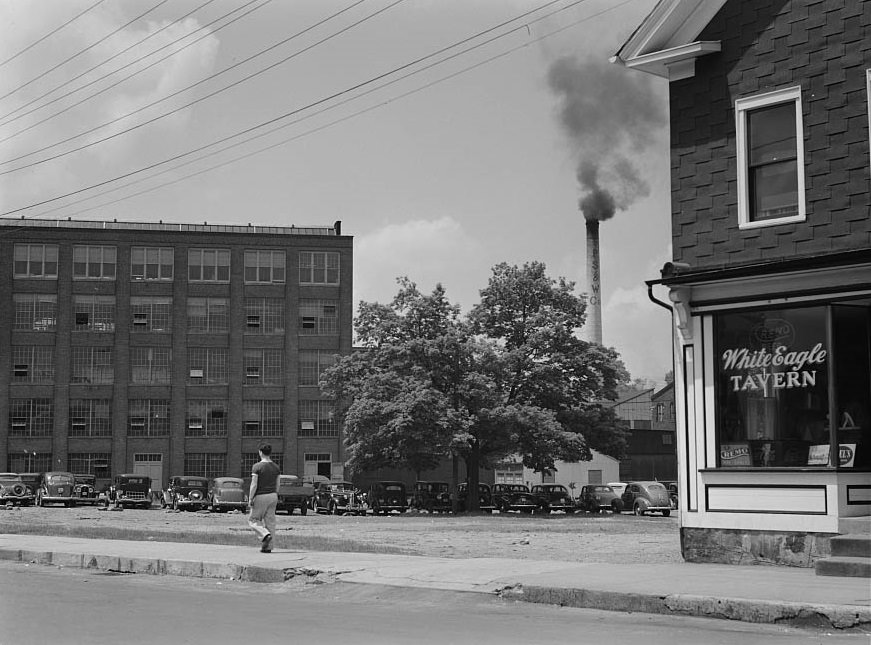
[623, 538]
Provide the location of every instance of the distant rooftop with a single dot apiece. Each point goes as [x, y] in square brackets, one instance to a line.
[335, 229]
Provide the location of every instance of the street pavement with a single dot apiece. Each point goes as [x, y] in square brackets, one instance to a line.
[758, 594]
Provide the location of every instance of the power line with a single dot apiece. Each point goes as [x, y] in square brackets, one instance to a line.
[177, 92]
[88, 71]
[79, 53]
[51, 33]
[177, 157]
[139, 71]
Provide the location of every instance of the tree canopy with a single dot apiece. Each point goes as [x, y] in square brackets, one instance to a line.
[510, 378]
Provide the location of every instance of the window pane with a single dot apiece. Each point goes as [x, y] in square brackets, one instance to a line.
[774, 190]
[772, 134]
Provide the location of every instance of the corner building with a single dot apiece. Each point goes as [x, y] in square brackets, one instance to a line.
[169, 349]
[770, 283]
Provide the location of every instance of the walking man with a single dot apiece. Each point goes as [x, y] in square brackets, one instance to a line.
[263, 497]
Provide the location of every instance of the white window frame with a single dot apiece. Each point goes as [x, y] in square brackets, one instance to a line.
[196, 257]
[265, 259]
[105, 251]
[27, 249]
[162, 251]
[742, 107]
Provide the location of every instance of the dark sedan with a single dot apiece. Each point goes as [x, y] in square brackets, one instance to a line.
[514, 497]
[56, 488]
[595, 498]
[647, 496]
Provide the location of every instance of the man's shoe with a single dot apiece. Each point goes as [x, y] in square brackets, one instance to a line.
[266, 544]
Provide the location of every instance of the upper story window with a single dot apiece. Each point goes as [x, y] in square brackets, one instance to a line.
[35, 261]
[151, 263]
[318, 267]
[94, 262]
[264, 316]
[32, 364]
[318, 317]
[94, 313]
[35, 311]
[150, 314]
[264, 266]
[208, 265]
[208, 315]
[770, 159]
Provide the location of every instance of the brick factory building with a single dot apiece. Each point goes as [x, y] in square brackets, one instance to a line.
[170, 349]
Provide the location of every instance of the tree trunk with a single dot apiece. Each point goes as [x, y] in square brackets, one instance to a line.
[455, 476]
[473, 478]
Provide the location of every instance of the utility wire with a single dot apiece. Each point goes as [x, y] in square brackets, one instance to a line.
[51, 33]
[124, 176]
[177, 92]
[88, 71]
[89, 47]
[139, 71]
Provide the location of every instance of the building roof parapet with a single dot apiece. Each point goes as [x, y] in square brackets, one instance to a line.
[335, 229]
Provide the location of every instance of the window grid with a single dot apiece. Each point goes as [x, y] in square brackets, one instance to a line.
[90, 418]
[207, 366]
[35, 311]
[205, 464]
[151, 314]
[150, 365]
[317, 419]
[251, 458]
[151, 263]
[265, 266]
[208, 315]
[86, 463]
[94, 262]
[94, 313]
[35, 261]
[312, 365]
[91, 365]
[263, 418]
[148, 418]
[208, 265]
[318, 267]
[264, 366]
[206, 418]
[264, 316]
[31, 418]
[29, 462]
[32, 364]
[318, 317]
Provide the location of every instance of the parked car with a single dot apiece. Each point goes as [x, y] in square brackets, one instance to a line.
[131, 489]
[339, 498]
[434, 497]
[227, 494]
[294, 493]
[554, 497]
[485, 497]
[85, 489]
[387, 496]
[514, 497]
[599, 497]
[647, 496]
[56, 487]
[187, 493]
[13, 490]
[672, 489]
[31, 481]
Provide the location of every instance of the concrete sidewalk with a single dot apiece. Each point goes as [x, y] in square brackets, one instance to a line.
[796, 597]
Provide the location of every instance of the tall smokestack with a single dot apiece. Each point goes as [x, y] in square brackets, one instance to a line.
[594, 299]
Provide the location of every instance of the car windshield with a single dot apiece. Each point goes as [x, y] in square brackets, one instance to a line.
[192, 482]
[133, 480]
[393, 487]
[59, 479]
[10, 479]
[229, 483]
[84, 478]
[603, 489]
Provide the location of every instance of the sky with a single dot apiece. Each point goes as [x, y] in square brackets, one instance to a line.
[446, 135]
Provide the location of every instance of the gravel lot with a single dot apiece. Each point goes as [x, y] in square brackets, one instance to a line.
[571, 538]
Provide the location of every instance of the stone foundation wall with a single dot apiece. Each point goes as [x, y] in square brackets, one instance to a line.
[734, 546]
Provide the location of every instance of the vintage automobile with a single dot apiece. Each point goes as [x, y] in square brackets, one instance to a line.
[339, 498]
[130, 489]
[485, 497]
[85, 489]
[227, 494]
[294, 493]
[31, 480]
[514, 497]
[187, 493]
[672, 489]
[554, 497]
[434, 497]
[56, 487]
[387, 496]
[14, 491]
[647, 496]
[595, 498]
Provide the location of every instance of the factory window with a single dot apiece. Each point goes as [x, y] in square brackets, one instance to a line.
[151, 263]
[35, 311]
[90, 418]
[264, 366]
[32, 364]
[770, 158]
[263, 418]
[264, 266]
[251, 458]
[90, 463]
[208, 265]
[318, 318]
[94, 262]
[91, 365]
[205, 464]
[206, 418]
[207, 366]
[31, 417]
[312, 365]
[317, 419]
[318, 267]
[35, 261]
[264, 316]
[148, 314]
[150, 365]
[148, 418]
[208, 315]
[94, 313]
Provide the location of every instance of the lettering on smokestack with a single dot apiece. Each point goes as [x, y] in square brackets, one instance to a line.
[611, 116]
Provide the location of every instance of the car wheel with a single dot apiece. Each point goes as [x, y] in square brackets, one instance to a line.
[639, 508]
[175, 504]
[303, 509]
[616, 508]
[666, 513]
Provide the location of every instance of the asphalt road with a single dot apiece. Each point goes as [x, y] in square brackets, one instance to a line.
[45, 604]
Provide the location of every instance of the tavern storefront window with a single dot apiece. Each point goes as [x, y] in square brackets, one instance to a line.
[780, 374]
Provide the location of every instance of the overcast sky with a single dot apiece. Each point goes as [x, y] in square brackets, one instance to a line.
[439, 170]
